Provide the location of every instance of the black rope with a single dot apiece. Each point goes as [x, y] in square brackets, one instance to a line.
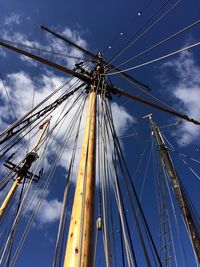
[131, 41]
[118, 146]
[121, 243]
[60, 237]
[25, 127]
[54, 160]
[14, 230]
[123, 210]
[24, 118]
[121, 33]
[8, 97]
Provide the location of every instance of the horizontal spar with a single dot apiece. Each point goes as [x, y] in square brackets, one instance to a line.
[87, 52]
[47, 62]
[148, 103]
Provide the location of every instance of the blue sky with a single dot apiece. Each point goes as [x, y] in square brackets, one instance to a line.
[95, 25]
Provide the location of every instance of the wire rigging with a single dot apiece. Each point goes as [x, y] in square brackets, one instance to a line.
[127, 248]
[8, 97]
[19, 121]
[35, 83]
[147, 29]
[59, 154]
[44, 111]
[61, 230]
[42, 50]
[161, 42]
[122, 32]
[156, 59]
[116, 186]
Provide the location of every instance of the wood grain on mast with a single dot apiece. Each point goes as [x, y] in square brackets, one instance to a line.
[80, 243]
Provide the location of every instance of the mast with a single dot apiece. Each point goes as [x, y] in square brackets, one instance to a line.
[79, 250]
[165, 235]
[80, 243]
[22, 172]
[177, 188]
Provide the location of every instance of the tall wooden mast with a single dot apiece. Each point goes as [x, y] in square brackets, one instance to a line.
[79, 250]
[177, 188]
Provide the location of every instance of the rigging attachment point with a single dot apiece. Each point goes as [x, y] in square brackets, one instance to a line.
[99, 224]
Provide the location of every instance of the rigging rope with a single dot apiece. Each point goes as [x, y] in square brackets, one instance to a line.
[121, 33]
[45, 111]
[161, 42]
[35, 84]
[19, 121]
[148, 28]
[133, 188]
[185, 261]
[156, 59]
[8, 97]
[41, 50]
[61, 229]
[143, 182]
[55, 161]
[120, 206]
[132, 207]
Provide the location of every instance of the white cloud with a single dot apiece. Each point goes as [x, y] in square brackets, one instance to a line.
[2, 52]
[51, 43]
[12, 19]
[49, 211]
[187, 91]
[20, 87]
[122, 119]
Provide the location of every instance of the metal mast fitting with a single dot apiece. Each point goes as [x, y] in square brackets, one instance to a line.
[22, 172]
[80, 243]
[96, 57]
[80, 76]
[177, 188]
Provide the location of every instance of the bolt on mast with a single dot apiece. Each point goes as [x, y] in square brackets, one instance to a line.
[177, 188]
[22, 172]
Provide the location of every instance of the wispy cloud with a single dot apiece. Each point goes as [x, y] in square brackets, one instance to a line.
[50, 43]
[122, 119]
[20, 86]
[12, 19]
[2, 52]
[186, 89]
[49, 211]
